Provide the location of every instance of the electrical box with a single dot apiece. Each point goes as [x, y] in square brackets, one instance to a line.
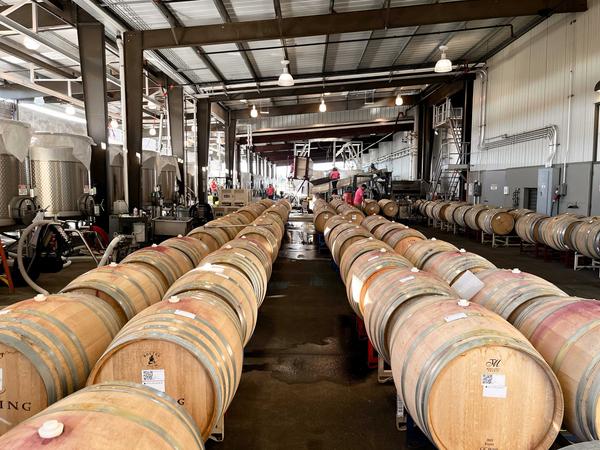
[477, 189]
[548, 180]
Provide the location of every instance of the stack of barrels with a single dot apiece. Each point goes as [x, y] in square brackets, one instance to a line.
[347, 211]
[565, 330]
[140, 389]
[458, 367]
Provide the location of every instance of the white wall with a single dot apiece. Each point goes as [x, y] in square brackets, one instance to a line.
[529, 89]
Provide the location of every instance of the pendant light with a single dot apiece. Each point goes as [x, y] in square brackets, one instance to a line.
[253, 112]
[152, 131]
[322, 106]
[285, 79]
[444, 64]
[399, 100]
[31, 43]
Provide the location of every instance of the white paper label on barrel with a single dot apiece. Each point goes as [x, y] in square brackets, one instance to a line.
[406, 279]
[454, 317]
[154, 379]
[4, 311]
[1, 380]
[494, 385]
[187, 314]
[468, 285]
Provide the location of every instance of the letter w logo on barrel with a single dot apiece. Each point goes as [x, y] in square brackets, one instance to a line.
[493, 363]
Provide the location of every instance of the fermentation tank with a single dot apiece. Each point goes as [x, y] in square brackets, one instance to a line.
[60, 175]
[14, 147]
[191, 171]
[168, 177]
[116, 179]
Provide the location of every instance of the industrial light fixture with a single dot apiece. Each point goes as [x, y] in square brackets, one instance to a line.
[253, 112]
[39, 100]
[285, 79]
[114, 124]
[30, 43]
[444, 64]
[399, 100]
[152, 131]
[70, 110]
[322, 106]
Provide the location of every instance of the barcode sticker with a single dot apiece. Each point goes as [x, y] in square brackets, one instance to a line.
[154, 379]
[187, 314]
[494, 385]
[454, 317]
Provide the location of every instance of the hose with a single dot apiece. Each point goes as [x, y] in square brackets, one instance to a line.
[86, 245]
[24, 274]
[116, 240]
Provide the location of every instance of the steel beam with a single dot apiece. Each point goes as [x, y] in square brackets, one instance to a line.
[176, 125]
[134, 85]
[347, 22]
[92, 56]
[202, 139]
[230, 144]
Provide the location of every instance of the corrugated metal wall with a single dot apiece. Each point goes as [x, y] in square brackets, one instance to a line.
[529, 86]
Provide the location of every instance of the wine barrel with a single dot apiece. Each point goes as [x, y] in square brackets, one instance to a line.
[167, 263]
[527, 227]
[505, 291]
[566, 331]
[331, 224]
[126, 288]
[229, 283]
[389, 208]
[371, 223]
[231, 224]
[191, 345]
[351, 213]
[472, 214]
[48, 345]
[401, 239]
[496, 221]
[459, 215]
[213, 237]
[194, 249]
[466, 376]
[340, 243]
[520, 212]
[358, 248]
[322, 217]
[591, 445]
[251, 211]
[266, 202]
[370, 207]
[428, 208]
[117, 415]
[363, 268]
[385, 229]
[451, 209]
[449, 266]
[247, 262]
[388, 291]
[255, 249]
[263, 237]
[585, 238]
[272, 225]
[419, 252]
[335, 203]
[333, 234]
[439, 209]
[281, 209]
[552, 230]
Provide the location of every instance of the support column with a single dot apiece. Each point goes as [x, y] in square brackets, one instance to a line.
[203, 139]
[93, 71]
[230, 145]
[176, 118]
[134, 83]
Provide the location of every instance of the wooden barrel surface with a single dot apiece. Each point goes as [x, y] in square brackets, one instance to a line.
[264, 236]
[520, 212]
[167, 262]
[334, 233]
[451, 209]
[48, 345]
[385, 229]
[419, 252]
[467, 376]
[496, 221]
[372, 222]
[459, 215]
[389, 208]
[586, 238]
[370, 207]
[358, 248]
[472, 214]
[194, 249]
[566, 331]
[552, 230]
[340, 244]
[126, 288]
[526, 226]
[331, 224]
[428, 208]
[255, 249]
[388, 291]
[438, 211]
[591, 445]
[213, 237]
[272, 225]
[505, 291]
[449, 266]
[352, 214]
[321, 218]
[281, 210]
[193, 334]
[363, 268]
[401, 239]
[227, 282]
[117, 415]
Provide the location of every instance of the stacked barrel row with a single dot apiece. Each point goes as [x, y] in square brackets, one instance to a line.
[195, 333]
[565, 330]
[465, 374]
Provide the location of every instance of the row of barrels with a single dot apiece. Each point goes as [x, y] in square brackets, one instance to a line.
[322, 210]
[565, 330]
[386, 207]
[458, 367]
[158, 339]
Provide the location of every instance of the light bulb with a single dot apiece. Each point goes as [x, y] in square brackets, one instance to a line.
[39, 100]
[253, 112]
[322, 106]
[285, 79]
[399, 101]
[152, 131]
[70, 110]
[444, 64]
[152, 106]
[114, 124]
[30, 43]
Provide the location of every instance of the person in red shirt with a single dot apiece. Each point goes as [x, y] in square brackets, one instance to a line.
[214, 190]
[359, 195]
[270, 191]
[334, 176]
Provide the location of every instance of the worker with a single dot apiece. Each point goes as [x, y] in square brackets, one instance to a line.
[359, 195]
[214, 190]
[270, 191]
[334, 176]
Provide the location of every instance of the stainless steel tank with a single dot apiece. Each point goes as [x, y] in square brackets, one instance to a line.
[59, 175]
[116, 179]
[149, 176]
[14, 147]
[168, 179]
[159, 170]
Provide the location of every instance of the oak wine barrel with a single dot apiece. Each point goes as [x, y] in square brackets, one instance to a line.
[419, 252]
[401, 239]
[194, 249]
[370, 207]
[389, 208]
[358, 248]
[213, 237]
[449, 266]
[527, 227]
